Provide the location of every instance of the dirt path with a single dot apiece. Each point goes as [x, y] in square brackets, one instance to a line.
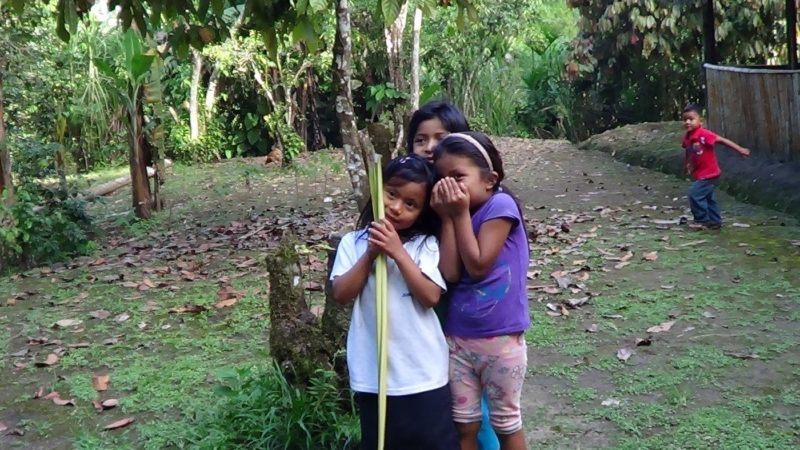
[724, 375]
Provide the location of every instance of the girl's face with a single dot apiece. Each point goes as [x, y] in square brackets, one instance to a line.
[403, 202]
[479, 184]
[428, 134]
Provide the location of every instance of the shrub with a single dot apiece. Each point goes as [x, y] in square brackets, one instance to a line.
[548, 111]
[211, 144]
[43, 226]
[32, 158]
[258, 408]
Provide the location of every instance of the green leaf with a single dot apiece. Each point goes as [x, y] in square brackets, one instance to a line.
[318, 5]
[104, 67]
[140, 64]
[218, 7]
[202, 10]
[253, 136]
[61, 29]
[18, 5]
[131, 46]
[302, 6]
[304, 31]
[390, 9]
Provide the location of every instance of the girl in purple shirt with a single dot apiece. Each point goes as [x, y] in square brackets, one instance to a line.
[484, 251]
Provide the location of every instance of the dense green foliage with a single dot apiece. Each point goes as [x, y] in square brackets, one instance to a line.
[260, 81]
[258, 408]
[641, 61]
[43, 226]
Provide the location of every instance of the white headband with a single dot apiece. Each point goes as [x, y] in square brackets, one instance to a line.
[477, 144]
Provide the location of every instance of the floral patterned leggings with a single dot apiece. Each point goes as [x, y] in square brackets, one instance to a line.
[496, 365]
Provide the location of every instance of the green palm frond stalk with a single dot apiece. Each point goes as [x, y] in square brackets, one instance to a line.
[381, 296]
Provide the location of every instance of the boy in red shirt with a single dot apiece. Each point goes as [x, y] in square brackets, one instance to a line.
[701, 162]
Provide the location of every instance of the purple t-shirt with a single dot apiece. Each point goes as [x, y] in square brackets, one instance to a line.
[498, 304]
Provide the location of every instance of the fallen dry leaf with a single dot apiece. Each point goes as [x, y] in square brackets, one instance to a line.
[610, 402]
[226, 303]
[151, 305]
[624, 353]
[188, 308]
[643, 342]
[66, 323]
[55, 397]
[100, 382]
[52, 358]
[79, 345]
[651, 256]
[122, 317]
[621, 265]
[708, 315]
[743, 355]
[592, 328]
[3, 427]
[661, 327]
[119, 424]
[39, 393]
[577, 302]
[105, 404]
[100, 314]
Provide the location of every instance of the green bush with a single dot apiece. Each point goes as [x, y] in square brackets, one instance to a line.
[548, 111]
[211, 145]
[43, 226]
[32, 158]
[258, 408]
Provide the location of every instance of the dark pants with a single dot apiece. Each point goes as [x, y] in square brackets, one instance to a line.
[421, 421]
[703, 201]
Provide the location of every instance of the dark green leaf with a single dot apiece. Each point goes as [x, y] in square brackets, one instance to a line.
[202, 10]
[104, 67]
[218, 7]
[253, 136]
[140, 64]
[390, 9]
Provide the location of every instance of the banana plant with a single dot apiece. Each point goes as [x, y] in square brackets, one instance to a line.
[130, 74]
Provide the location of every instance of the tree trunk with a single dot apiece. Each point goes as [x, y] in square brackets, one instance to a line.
[416, 31]
[194, 116]
[211, 92]
[6, 182]
[138, 159]
[342, 71]
[296, 342]
[317, 137]
[394, 52]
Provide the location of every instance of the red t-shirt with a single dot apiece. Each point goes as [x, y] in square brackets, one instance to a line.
[700, 156]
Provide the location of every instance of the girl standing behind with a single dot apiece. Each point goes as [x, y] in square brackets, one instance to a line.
[484, 250]
[428, 125]
[419, 401]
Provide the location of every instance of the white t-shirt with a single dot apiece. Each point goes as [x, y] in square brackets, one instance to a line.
[418, 354]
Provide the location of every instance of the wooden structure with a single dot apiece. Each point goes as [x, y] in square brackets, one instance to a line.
[758, 107]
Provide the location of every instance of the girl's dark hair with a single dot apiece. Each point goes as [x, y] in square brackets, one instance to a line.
[410, 169]
[458, 146]
[452, 119]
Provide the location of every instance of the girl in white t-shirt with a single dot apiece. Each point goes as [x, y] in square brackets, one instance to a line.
[419, 412]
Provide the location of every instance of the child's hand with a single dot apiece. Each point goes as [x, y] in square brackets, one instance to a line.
[456, 197]
[438, 198]
[745, 152]
[384, 237]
